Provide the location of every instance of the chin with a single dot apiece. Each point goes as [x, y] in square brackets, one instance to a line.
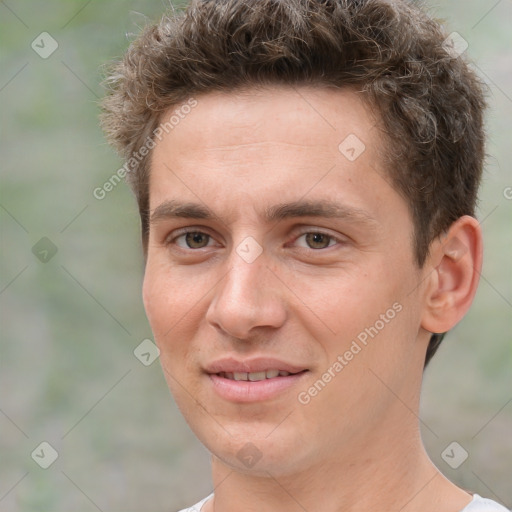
[257, 449]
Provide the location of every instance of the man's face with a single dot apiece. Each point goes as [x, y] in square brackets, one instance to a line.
[299, 259]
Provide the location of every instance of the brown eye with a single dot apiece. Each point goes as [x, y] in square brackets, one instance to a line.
[196, 239]
[318, 240]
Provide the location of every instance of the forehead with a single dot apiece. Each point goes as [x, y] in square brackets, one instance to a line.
[263, 146]
[314, 116]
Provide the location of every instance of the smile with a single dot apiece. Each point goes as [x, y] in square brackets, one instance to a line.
[254, 376]
[253, 387]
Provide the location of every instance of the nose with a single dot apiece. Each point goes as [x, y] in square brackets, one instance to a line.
[248, 297]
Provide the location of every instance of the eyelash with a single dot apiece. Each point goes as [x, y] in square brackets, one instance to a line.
[187, 231]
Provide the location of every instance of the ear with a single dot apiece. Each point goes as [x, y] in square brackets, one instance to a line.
[454, 267]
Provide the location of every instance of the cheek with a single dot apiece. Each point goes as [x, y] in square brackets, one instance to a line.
[175, 304]
[168, 298]
[372, 308]
[170, 311]
[173, 316]
[156, 300]
[339, 305]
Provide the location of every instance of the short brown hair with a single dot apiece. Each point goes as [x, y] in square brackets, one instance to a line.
[429, 100]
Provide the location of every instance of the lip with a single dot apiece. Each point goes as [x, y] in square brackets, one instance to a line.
[242, 391]
[259, 364]
[249, 391]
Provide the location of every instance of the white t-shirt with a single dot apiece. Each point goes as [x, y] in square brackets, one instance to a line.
[477, 504]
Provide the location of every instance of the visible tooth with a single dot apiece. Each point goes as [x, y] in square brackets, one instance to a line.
[282, 373]
[228, 375]
[240, 376]
[272, 373]
[256, 376]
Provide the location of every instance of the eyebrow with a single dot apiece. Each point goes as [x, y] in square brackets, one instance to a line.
[323, 208]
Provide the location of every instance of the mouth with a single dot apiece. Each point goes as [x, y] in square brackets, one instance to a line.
[254, 380]
[254, 369]
[256, 376]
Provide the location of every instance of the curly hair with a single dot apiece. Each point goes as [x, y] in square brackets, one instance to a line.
[430, 101]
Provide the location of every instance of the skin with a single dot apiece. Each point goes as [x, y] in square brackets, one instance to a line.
[356, 445]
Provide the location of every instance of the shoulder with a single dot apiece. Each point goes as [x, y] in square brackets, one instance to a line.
[198, 506]
[479, 504]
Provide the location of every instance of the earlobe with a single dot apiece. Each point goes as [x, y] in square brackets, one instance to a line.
[456, 261]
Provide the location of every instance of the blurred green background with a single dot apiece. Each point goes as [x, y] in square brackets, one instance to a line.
[69, 325]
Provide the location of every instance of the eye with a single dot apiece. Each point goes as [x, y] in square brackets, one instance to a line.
[198, 240]
[193, 240]
[316, 240]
